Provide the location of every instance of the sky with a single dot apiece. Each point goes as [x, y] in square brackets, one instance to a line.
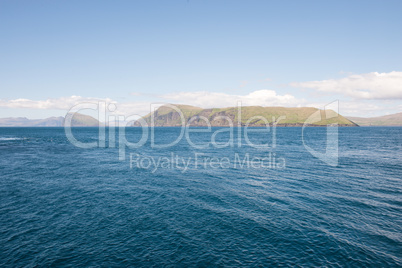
[209, 53]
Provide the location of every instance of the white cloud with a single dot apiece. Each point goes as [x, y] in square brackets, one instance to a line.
[63, 103]
[66, 103]
[134, 108]
[363, 86]
[362, 108]
[202, 99]
[206, 99]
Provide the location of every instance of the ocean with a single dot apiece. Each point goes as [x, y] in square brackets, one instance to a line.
[211, 199]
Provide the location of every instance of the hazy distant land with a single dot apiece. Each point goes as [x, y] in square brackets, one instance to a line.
[166, 116]
[78, 120]
[386, 120]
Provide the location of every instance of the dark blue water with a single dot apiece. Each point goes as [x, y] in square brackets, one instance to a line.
[65, 206]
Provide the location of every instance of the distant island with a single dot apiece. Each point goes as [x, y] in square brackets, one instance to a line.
[165, 116]
[386, 120]
[253, 116]
[78, 120]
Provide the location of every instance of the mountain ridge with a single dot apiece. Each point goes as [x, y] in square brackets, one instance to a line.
[254, 116]
[77, 120]
[165, 117]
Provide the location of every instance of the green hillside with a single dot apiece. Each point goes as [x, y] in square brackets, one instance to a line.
[81, 120]
[254, 115]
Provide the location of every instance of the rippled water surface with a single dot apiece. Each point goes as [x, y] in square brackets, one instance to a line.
[61, 205]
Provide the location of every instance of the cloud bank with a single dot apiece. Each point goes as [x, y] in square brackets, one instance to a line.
[202, 99]
[370, 86]
[63, 103]
[206, 99]
[368, 94]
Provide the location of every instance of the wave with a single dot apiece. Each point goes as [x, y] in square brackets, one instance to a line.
[10, 139]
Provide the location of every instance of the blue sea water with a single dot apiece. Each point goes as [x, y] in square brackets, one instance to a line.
[61, 205]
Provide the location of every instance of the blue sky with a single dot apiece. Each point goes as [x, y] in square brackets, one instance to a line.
[136, 52]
